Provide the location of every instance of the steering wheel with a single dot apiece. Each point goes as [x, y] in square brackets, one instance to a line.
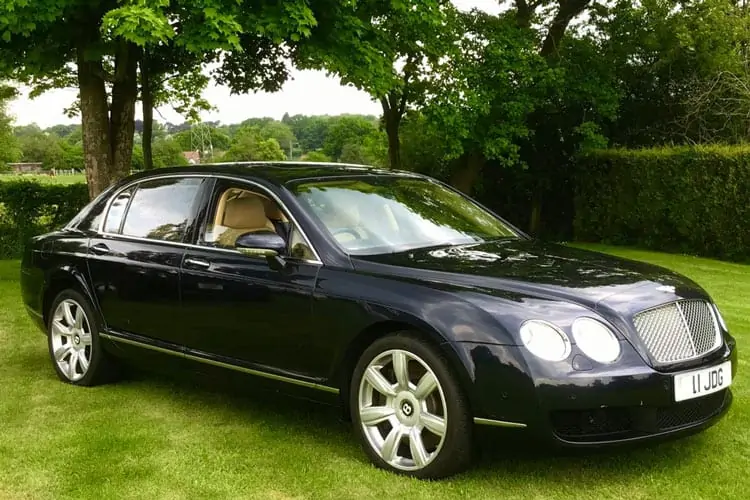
[346, 230]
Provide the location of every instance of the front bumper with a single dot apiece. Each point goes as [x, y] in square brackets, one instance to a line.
[581, 404]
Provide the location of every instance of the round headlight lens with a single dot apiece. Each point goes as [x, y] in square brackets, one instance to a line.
[596, 340]
[545, 340]
[719, 317]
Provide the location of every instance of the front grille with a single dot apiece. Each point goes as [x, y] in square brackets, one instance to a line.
[678, 331]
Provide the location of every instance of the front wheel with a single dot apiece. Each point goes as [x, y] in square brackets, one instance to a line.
[409, 410]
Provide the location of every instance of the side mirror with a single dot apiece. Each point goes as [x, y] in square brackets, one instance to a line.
[263, 244]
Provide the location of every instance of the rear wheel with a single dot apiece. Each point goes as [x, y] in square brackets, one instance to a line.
[74, 343]
[408, 409]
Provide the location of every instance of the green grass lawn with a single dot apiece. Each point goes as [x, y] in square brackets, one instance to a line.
[46, 179]
[150, 437]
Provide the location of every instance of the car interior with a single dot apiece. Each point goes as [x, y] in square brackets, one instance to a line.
[239, 211]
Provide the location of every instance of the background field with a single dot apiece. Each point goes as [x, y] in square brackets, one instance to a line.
[45, 179]
[148, 437]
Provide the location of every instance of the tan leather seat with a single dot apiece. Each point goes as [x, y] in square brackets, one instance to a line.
[241, 215]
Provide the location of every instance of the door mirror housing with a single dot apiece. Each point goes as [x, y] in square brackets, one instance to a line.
[262, 244]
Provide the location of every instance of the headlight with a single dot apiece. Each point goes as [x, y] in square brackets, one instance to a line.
[722, 323]
[545, 340]
[596, 340]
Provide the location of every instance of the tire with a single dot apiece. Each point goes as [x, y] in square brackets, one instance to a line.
[423, 430]
[74, 344]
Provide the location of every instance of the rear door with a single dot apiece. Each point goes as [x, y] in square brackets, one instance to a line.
[134, 262]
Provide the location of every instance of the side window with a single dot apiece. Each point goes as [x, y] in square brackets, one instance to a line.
[160, 209]
[237, 210]
[116, 211]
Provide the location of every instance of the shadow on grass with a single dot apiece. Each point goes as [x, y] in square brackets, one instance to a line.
[235, 400]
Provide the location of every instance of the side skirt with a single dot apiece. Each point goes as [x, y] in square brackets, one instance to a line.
[205, 359]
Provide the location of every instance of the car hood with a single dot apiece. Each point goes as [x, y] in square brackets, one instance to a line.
[537, 268]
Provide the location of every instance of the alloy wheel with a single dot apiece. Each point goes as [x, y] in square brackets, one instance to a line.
[402, 410]
[70, 333]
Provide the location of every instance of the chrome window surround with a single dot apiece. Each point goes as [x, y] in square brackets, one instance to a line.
[255, 185]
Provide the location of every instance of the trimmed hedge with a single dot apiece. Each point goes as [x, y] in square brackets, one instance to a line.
[29, 208]
[693, 200]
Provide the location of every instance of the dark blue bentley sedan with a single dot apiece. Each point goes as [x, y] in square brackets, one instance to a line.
[420, 311]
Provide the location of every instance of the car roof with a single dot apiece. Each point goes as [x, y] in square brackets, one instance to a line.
[279, 172]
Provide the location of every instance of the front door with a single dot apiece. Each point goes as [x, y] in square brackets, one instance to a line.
[134, 262]
[236, 307]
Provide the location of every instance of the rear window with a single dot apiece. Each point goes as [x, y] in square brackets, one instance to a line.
[159, 209]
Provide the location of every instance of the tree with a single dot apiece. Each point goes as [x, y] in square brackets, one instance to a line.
[346, 129]
[72, 156]
[249, 145]
[219, 140]
[484, 94]
[167, 153]
[310, 131]
[411, 37]
[38, 146]
[96, 47]
[64, 131]
[316, 156]
[175, 76]
[9, 149]
[371, 149]
[682, 72]
[282, 133]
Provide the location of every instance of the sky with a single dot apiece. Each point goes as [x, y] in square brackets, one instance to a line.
[307, 93]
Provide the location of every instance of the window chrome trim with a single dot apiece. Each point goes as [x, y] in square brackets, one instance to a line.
[101, 232]
[229, 366]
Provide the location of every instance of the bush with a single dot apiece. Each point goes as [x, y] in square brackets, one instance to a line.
[688, 200]
[29, 208]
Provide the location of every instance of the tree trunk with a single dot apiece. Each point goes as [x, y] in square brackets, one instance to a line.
[465, 177]
[122, 113]
[147, 100]
[107, 132]
[567, 11]
[94, 124]
[392, 124]
[392, 116]
[535, 222]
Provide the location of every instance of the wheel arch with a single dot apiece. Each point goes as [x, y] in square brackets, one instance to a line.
[373, 332]
[65, 278]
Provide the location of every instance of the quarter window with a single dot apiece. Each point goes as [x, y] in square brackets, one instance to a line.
[116, 211]
[160, 209]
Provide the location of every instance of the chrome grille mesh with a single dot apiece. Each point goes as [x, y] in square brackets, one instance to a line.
[678, 331]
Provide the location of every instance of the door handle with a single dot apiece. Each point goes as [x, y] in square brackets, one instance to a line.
[100, 249]
[197, 263]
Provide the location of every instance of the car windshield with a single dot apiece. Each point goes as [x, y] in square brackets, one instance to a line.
[388, 214]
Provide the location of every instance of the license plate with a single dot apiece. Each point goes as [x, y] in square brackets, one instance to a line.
[701, 382]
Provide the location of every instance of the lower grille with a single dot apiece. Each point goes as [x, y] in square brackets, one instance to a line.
[678, 331]
[604, 424]
[689, 412]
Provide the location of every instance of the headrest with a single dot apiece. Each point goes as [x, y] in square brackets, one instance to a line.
[245, 213]
[273, 211]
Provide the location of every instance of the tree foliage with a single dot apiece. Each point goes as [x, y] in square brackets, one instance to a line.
[250, 145]
[97, 47]
[9, 148]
